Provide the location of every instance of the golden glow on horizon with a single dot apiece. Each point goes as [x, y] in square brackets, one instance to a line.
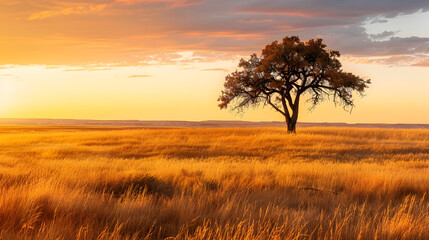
[190, 93]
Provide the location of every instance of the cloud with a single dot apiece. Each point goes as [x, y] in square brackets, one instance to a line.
[422, 63]
[76, 10]
[255, 20]
[8, 66]
[171, 3]
[279, 12]
[215, 69]
[139, 76]
[383, 35]
[329, 8]
[377, 20]
[353, 40]
[147, 32]
[90, 69]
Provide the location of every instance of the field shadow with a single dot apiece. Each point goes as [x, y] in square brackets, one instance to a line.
[133, 186]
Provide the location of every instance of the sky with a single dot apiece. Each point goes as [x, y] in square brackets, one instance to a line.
[167, 59]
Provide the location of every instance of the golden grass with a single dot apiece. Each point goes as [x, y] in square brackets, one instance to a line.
[131, 183]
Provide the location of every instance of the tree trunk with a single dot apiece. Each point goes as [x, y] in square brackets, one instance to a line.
[291, 122]
[291, 126]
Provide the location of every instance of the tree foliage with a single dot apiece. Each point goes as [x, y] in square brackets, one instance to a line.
[284, 72]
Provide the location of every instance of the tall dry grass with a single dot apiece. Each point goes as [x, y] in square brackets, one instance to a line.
[130, 183]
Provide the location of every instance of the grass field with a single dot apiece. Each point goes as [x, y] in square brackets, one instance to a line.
[244, 183]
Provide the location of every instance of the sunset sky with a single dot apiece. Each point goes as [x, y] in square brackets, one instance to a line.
[167, 59]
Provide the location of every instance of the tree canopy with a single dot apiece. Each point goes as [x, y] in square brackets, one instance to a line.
[284, 72]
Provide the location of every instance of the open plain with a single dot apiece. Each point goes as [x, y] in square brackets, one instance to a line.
[223, 183]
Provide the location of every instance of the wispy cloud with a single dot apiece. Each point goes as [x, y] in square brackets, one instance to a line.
[255, 20]
[76, 10]
[279, 12]
[7, 66]
[382, 36]
[215, 69]
[139, 76]
[171, 3]
[89, 69]
[422, 63]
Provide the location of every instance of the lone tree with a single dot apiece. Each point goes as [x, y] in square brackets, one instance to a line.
[284, 72]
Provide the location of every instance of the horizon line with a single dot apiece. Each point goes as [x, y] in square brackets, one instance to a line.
[190, 123]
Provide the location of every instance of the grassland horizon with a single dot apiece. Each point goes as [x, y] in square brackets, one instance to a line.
[195, 124]
[222, 183]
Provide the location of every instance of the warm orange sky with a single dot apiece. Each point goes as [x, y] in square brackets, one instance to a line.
[167, 59]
